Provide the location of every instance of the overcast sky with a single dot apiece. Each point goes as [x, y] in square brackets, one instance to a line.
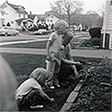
[41, 6]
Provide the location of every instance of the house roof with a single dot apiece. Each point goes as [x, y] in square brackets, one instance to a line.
[39, 16]
[48, 13]
[17, 8]
[20, 20]
[23, 20]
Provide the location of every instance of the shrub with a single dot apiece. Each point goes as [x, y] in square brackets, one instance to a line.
[95, 32]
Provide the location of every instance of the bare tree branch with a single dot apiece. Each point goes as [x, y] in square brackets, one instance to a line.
[67, 7]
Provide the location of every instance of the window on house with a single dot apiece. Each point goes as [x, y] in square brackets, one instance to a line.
[51, 20]
[12, 22]
[19, 23]
[19, 15]
[48, 20]
[24, 16]
[111, 2]
[2, 21]
[3, 13]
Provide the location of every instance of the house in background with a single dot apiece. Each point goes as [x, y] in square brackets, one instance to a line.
[51, 18]
[37, 18]
[14, 14]
[87, 21]
[107, 26]
[46, 20]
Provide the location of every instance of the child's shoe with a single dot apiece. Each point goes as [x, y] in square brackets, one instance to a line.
[52, 87]
[36, 107]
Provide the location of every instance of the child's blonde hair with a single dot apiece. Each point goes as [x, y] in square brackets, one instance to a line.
[40, 75]
[61, 24]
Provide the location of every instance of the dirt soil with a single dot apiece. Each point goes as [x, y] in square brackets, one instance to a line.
[95, 95]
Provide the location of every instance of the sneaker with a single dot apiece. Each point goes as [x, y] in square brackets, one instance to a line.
[36, 106]
[52, 87]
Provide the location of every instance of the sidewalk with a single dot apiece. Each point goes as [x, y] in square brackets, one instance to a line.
[75, 52]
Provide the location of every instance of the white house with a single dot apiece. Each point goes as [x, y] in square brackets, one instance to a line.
[50, 18]
[14, 14]
[107, 24]
[37, 18]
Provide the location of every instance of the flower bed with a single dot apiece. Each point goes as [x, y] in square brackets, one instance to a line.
[95, 95]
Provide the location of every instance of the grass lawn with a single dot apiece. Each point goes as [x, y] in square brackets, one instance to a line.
[24, 64]
[39, 45]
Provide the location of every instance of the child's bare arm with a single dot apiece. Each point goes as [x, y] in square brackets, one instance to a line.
[48, 46]
[45, 96]
[69, 62]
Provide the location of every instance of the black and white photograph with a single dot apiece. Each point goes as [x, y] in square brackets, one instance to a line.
[56, 55]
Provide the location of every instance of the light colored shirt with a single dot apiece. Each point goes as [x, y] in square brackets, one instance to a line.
[26, 87]
[56, 42]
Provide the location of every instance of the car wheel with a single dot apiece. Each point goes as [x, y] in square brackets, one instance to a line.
[6, 34]
[15, 34]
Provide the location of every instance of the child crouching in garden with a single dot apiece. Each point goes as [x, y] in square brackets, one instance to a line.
[30, 92]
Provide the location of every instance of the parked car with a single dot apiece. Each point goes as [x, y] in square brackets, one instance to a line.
[41, 32]
[8, 31]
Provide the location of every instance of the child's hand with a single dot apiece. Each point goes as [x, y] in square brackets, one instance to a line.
[76, 73]
[79, 63]
[52, 100]
[48, 57]
[62, 47]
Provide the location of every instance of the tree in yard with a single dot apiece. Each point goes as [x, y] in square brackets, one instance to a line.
[93, 19]
[101, 11]
[66, 8]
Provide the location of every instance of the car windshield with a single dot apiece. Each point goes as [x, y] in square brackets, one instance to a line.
[4, 28]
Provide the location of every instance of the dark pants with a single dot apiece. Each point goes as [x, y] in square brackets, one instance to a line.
[67, 71]
[32, 98]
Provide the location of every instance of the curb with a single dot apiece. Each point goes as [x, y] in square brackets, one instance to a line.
[72, 97]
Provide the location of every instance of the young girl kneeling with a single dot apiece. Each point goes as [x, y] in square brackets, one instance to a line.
[30, 92]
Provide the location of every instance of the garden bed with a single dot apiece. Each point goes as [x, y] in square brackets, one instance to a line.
[95, 94]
